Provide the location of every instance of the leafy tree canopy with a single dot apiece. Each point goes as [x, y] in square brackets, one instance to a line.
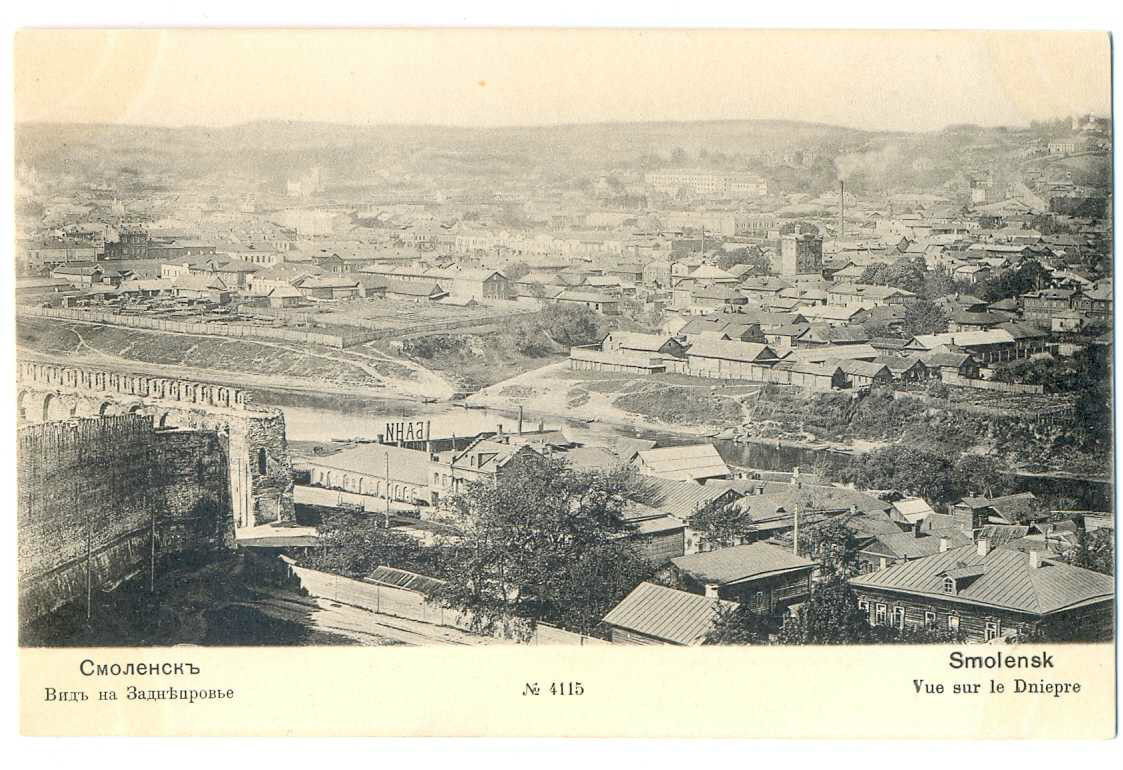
[543, 544]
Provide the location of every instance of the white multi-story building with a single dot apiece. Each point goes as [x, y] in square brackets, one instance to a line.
[708, 183]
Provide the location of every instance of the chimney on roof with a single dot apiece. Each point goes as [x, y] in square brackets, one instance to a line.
[916, 528]
[943, 544]
[711, 590]
[1034, 559]
[983, 546]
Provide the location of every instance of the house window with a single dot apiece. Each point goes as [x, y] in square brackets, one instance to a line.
[953, 623]
[949, 585]
[899, 617]
[864, 606]
[262, 462]
[992, 631]
[879, 615]
[929, 619]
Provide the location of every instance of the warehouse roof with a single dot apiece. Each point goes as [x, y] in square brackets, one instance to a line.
[407, 465]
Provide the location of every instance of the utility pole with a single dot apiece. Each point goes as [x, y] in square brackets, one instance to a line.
[795, 531]
[152, 539]
[387, 488]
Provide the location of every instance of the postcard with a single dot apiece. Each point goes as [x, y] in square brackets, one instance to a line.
[513, 382]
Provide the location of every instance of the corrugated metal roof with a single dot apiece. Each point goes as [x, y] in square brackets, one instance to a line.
[679, 498]
[400, 578]
[1007, 580]
[674, 616]
[741, 562]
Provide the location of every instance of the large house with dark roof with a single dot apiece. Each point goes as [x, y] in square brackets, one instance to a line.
[985, 593]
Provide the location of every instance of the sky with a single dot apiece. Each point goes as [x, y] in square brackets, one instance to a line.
[907, 81]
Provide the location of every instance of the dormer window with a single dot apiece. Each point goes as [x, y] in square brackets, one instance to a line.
[949, 585]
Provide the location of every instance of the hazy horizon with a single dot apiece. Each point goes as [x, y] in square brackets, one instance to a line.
[881, 81]
[527, 126]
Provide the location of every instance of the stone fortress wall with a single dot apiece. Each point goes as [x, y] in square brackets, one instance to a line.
[99, 498]
[259, 469]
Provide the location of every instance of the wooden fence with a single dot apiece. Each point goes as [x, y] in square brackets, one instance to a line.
[1005, 387]
[215, 328]
[411, 605]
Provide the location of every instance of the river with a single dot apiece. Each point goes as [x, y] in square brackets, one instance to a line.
[358, 417]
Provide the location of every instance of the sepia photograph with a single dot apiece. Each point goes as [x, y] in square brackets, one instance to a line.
[588, 338]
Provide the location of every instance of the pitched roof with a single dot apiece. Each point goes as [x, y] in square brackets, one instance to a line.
[592, 458]
[638, 341]
[888, 343]
[863, 368]
[740, 563]
[909, 545]
[823, 498]
[1006, 580]
[666, 613]
[898, 363]
[943, 358]
[913, 509]
[732, 350]
[834, 353]
[684, 463]
[200, 283]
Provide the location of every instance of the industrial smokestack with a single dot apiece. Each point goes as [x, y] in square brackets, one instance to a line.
[841, 209]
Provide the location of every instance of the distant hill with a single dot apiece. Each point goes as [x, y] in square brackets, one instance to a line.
[580, 148]
[522, 156]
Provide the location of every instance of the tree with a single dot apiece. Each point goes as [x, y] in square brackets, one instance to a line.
[923, 317]
[542, 543]
[721, 526]
[905, 273]
[980, 475]
[570, 325]
[832, 544]
[1094, 550]
[1013, 283]
[830, 616]
[738, 624]
[516, 270]
[913, 471]
[354, 544]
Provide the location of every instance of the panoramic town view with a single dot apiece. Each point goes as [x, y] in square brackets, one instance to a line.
[685, 383]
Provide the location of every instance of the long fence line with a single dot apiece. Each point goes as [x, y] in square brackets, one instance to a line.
[1005, 387]
[411, 605]
[379, 328]
[214, 329]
